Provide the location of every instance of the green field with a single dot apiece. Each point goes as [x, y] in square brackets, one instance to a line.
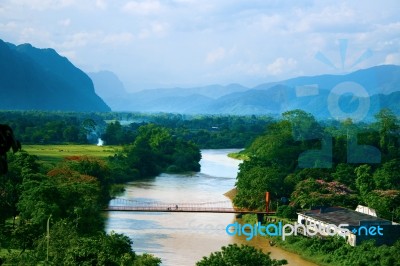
[56, 153]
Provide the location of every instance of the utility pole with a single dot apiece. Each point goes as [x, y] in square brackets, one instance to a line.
[48, 238]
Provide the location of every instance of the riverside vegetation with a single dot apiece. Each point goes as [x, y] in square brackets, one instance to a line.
[70, 191]
[333, 180]
[68, 187]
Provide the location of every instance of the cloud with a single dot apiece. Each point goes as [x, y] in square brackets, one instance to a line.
[272, 39]
[158, 29]
[44, 4]
[215, 55]
[101, 4]
[393, 59]
[144, 7]
[80, 39]
[281, 65]
[9, 26]
[29, 33]
[71, 55]
[118, 38]
[65, 22]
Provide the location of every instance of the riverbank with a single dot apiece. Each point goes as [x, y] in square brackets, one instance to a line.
[264, 242]
[238, 156]
[231, 194]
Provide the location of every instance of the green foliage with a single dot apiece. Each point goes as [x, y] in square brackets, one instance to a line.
[254, 180]
[115, 134]
[276, 146]
[94, 167]
[208, 132]
[387, 176]
[388, 126]
[64, 193]
[385, 202]
[39, 127]
[276, 158]
[154, 150]
[311, 192]
[243, 255]
[21, 166]
[286, 211]
[67, 247]
[364, 181]
[333, 251]
[344, 173]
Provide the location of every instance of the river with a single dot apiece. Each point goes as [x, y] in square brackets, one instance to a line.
[181, 239]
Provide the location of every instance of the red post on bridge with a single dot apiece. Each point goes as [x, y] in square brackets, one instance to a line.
[267, 201]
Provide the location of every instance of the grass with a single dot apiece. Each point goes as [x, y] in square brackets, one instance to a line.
[56, 153]
[238, 156]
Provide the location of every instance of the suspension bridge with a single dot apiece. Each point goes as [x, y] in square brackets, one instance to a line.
[120, 204]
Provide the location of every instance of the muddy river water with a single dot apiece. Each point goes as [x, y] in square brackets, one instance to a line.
[181, 239]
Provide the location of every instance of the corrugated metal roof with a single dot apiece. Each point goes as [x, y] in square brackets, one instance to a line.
[340, 215]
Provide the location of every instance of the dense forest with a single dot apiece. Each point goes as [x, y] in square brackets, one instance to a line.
[71, 195]
[302, 162]
[36, 127]
[324, 163]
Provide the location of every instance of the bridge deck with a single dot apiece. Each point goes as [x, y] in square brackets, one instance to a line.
[120, 204]
[182, 209]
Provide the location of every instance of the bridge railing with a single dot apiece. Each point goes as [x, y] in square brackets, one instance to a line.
[143, 204]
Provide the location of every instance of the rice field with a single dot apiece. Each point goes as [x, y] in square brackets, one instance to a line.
[56, 153]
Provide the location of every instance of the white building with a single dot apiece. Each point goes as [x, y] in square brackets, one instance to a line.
[355, 226]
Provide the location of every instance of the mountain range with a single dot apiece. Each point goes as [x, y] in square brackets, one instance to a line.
[41, 79]
[325, 96]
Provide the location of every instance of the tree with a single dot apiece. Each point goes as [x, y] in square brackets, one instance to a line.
[243, 255]
[310, 193]
[64, 194]
[155, 150]
[277, 146]
[344, 173]
[286, 211]
[304, 125]
[7, 142]
[95, 167]
[364, 180]
[254, 180]
[21, 166]
[68, 247]
[388, 127]
[385, 202]
[113, 134]
[388, 175]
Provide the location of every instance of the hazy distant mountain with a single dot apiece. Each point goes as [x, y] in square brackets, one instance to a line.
[381, 83]
[41, 79]
[383, 79]
[180, 100]
[110, 88]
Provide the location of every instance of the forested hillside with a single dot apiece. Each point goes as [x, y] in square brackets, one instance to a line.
[41, 79]
[324, 164]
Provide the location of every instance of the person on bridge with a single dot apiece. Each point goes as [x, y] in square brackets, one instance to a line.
[176, 207]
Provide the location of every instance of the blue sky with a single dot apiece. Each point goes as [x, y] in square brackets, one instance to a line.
[157, 44]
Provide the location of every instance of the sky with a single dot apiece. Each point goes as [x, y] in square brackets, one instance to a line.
[185, 43]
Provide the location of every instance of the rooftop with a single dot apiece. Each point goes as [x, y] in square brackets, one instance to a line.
[340, 215]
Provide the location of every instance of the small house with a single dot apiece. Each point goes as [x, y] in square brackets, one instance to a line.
[355, 226]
